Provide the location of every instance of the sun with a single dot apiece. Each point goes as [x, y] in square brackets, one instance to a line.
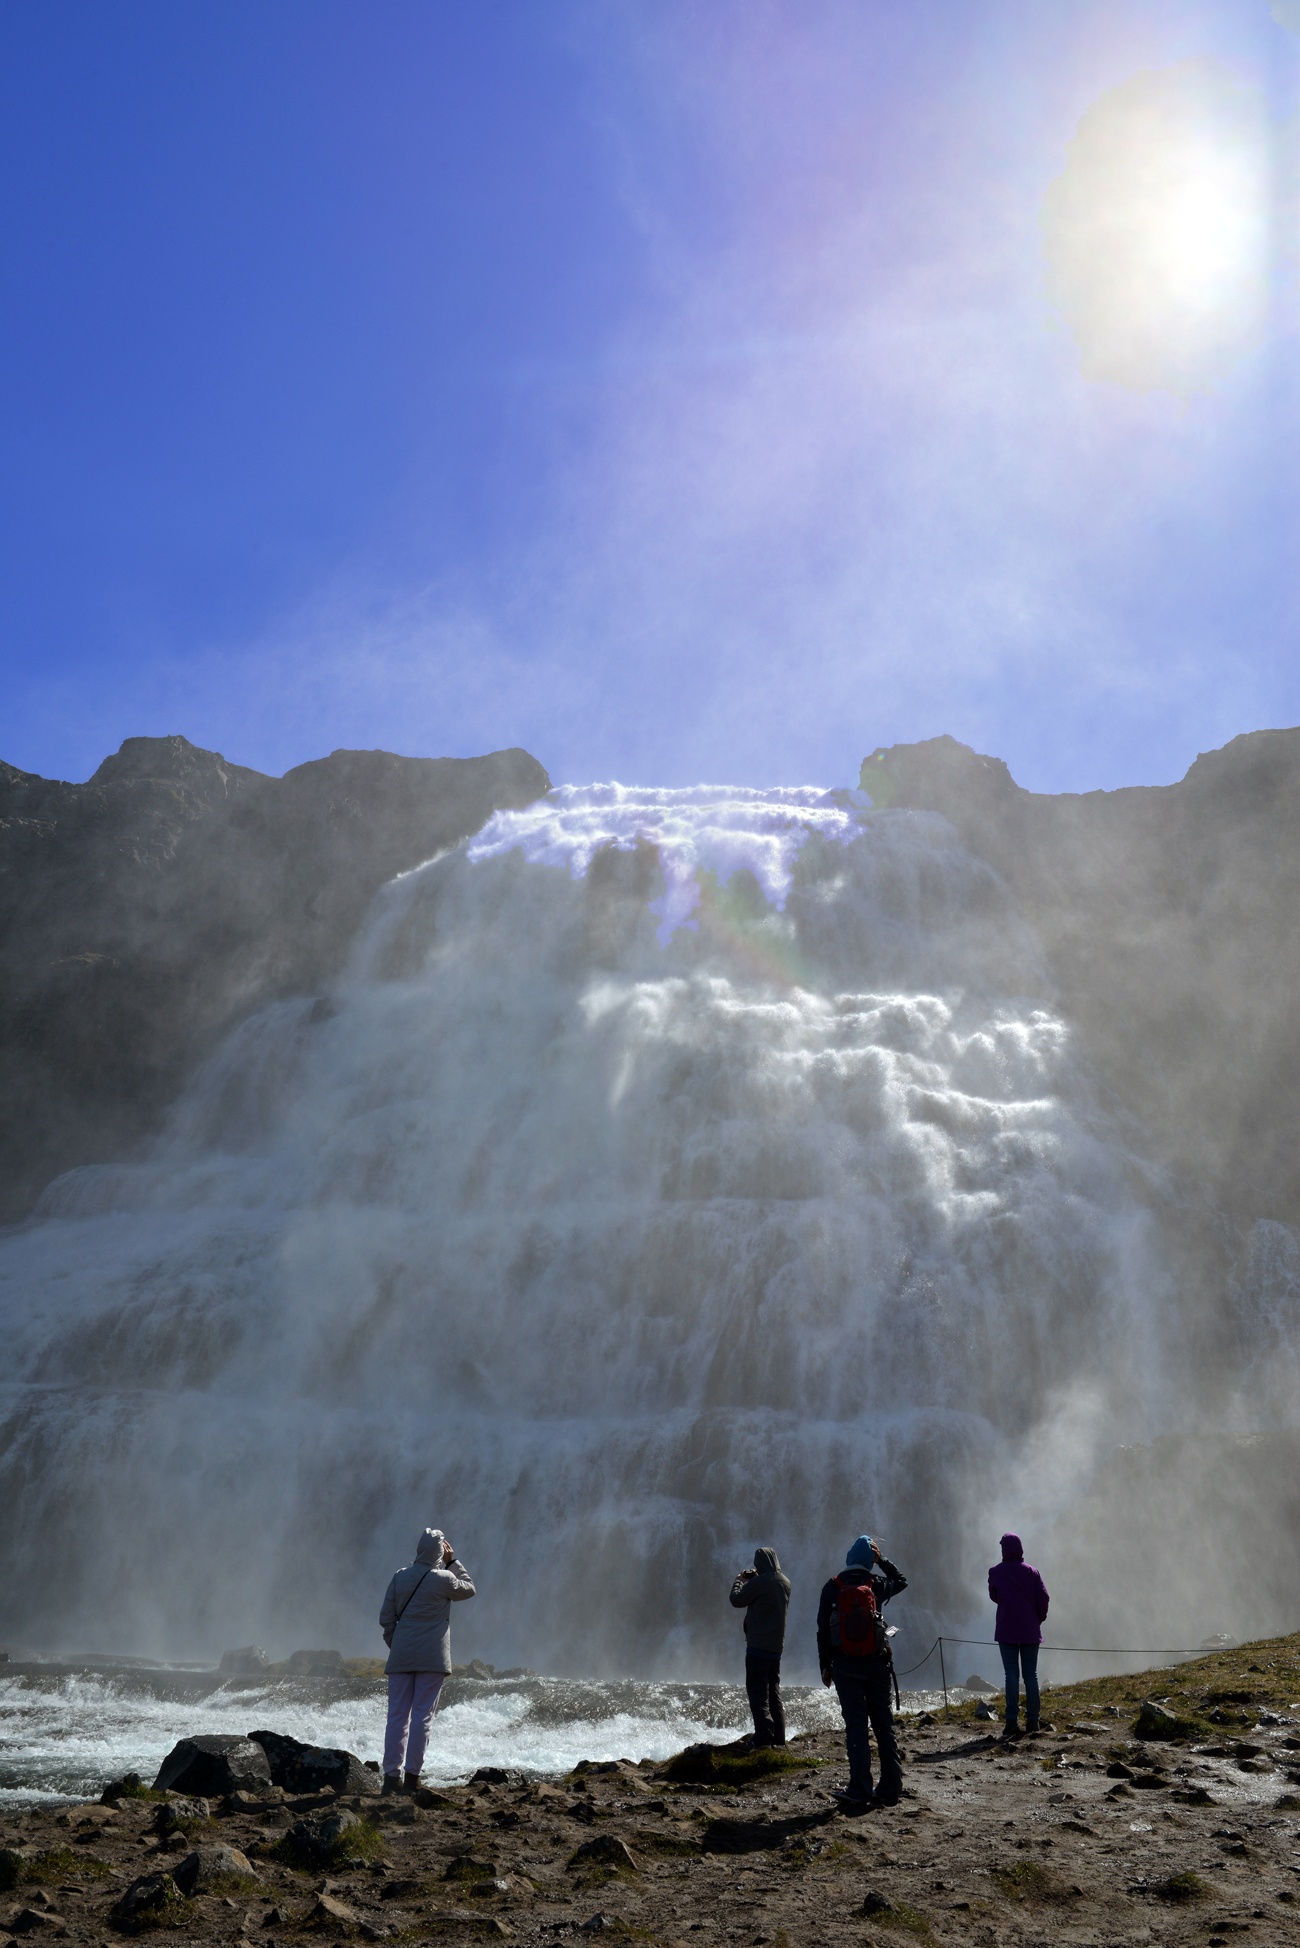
[1160, 236]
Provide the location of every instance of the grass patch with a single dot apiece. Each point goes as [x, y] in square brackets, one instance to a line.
[724, 1765]
[1181, 1887]
[1265, 1672]
[357, 1844]
[64, 1863]
[1170, 1723]
[896, 1914]
[1028, 1881]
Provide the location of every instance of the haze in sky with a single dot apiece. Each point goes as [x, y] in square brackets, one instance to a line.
[684, 389]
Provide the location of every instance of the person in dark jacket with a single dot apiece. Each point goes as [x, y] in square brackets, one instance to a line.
[1021, 1596]
[862, 1682]
[764, 1595]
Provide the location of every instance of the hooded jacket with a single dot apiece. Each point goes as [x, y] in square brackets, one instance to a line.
[416, 1613]
[765, 1598]
[1020, 1594]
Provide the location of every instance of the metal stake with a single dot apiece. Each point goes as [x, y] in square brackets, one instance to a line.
[944, 1677]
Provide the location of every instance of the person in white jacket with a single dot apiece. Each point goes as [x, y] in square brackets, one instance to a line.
[416, 1622]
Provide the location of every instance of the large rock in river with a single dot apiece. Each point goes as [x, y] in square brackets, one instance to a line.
[210, 1767]
[313, 1768]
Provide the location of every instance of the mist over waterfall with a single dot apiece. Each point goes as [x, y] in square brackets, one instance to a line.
[670, 1172]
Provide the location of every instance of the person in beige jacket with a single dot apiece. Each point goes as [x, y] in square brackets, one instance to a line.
[416, 1622]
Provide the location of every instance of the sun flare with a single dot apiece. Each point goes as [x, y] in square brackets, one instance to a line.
[1159, 236]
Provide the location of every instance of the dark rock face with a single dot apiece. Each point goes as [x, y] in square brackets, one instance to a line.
[1171, 920]
[303, 1768]
[212, 1766]
[143, 912]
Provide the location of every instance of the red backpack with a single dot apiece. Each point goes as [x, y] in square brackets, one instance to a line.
[856, 1625]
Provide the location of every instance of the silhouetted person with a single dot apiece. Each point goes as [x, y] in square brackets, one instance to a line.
[853, 1653]
[416, 1622]
[1021, 1596]
[764, 1595]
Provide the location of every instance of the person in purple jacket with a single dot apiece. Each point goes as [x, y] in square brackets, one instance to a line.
[1021, 1596]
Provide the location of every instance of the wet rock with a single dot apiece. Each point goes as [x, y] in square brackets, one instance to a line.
[213, 1767]
[314, 1768]
[127, 1787]
[247, 1662]
[493, 1775]
[208, 1866]
[313, 1661]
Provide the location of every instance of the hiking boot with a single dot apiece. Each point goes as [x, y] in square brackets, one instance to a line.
[1012, 1731]
[878, 1799]
[392, 1783]
[411, 1783]
[1033, 1731]
[849, 1799]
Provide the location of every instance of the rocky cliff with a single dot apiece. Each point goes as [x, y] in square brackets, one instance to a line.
[143, 911]
[1171, 919]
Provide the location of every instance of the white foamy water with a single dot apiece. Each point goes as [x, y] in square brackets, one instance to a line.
[668, 1173]
[68, 1737]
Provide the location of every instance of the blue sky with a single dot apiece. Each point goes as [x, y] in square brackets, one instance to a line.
[668, 387]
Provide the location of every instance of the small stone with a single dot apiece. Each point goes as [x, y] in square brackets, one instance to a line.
[326, 1908]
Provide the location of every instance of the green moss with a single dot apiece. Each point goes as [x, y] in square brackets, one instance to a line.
[362, 1842]
[1030, 1882]
[896, 1914]
[725, 1765]
[1181, 1887]
[65, 1863]
[1170, 1723]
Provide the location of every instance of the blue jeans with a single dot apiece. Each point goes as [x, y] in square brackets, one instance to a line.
[864, 1700]
[1026, 1657]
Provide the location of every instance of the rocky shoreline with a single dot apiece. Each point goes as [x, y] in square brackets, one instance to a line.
[1174, 1823]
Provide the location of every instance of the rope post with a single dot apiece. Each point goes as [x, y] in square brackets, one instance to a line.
[944, 1678]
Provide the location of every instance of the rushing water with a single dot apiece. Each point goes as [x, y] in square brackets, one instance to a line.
[68, 1736]
[668, 1173]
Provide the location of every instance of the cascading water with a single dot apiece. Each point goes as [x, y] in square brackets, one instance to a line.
[670, 1172]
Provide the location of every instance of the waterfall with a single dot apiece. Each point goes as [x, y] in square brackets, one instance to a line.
[667, 1173]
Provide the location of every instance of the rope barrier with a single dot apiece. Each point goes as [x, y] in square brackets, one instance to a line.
[1086, 1650]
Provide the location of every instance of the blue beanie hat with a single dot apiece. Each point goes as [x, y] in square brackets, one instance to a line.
[861, 1555]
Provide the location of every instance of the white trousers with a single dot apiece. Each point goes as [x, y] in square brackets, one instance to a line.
[412, 1701]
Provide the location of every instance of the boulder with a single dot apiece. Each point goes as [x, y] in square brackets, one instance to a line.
[314, 1768]
[606, 1851]
[146, 1897]
[247, 1662]
[315, 1660]
[12, 1862]
[38, 1920]
[213, 1767]
[129, 1786]
[180, 1810]
[213, 1867]
[317, 1842]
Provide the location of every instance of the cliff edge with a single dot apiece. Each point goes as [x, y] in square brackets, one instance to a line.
[1171, 919]
[144, 911]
